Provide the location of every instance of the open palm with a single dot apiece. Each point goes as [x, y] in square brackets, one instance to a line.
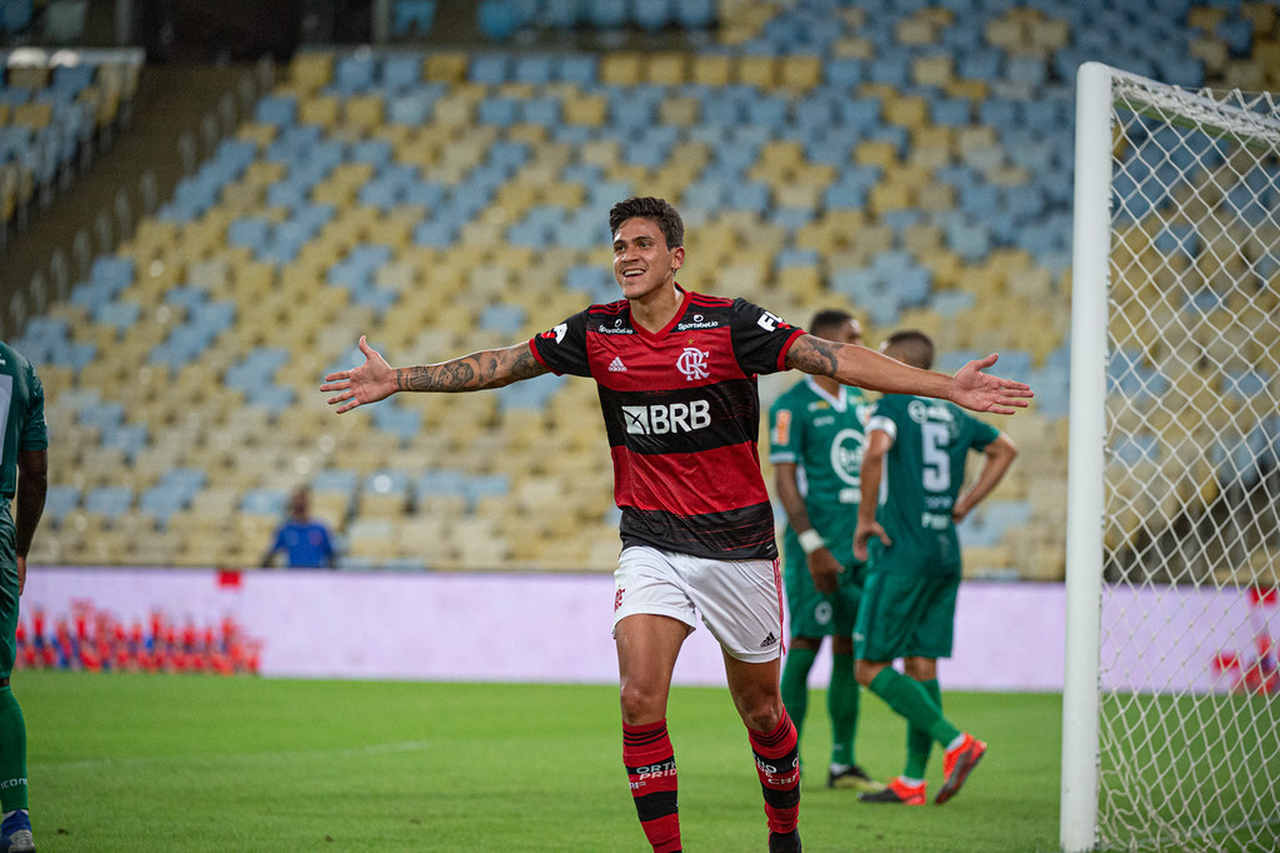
[370, 382]
[983, 392]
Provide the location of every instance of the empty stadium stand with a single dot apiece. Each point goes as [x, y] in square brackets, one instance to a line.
[909, 160]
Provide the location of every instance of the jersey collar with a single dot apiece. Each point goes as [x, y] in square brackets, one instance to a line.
[662, 333]
[838, 403]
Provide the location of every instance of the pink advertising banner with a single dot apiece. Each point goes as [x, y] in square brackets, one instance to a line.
[539, 628]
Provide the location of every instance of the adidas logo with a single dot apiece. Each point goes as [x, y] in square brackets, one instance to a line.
[616, 366]
[769, 641]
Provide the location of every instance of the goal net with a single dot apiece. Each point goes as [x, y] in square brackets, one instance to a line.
[1175, 488]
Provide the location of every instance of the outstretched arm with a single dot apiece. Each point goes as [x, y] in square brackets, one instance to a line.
[1000, 454]
[857, 365]
[376, 380]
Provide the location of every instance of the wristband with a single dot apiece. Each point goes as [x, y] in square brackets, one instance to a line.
[811, 540]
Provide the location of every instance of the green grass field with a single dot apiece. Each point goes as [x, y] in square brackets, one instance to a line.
[173, 763]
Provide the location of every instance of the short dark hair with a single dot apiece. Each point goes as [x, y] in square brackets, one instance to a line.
[829, 318]
[647, 207]
[912, 346]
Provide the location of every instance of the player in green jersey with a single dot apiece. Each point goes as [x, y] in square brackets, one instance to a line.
[24, 471]
[918, 447]
[816, 432]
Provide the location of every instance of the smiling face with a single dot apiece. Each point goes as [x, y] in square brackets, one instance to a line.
[642, 263]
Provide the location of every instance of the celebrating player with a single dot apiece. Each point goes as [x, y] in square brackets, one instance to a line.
[24, 466]
[816, 433]
[676, 377]
[909, 601]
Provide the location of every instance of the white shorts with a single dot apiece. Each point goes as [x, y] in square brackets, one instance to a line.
[740, 601]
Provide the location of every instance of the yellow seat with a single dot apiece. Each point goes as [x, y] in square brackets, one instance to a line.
[873, 153]
[680, 112]
[35, 115]
[446, 67]
[319, 109]
[589, 110]
[666, 69]
[800, 72]
[932, 70]
[911, 111]
[364, 112]
[620, 69]
[311, 70]
[759, 71]
[711, 70]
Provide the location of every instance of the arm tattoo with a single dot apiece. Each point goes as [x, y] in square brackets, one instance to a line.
[480, 370]
[814, 355]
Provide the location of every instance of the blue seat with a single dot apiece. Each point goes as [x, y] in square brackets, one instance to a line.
[951, 112]
[387, 481]
[411, 108]
[401, 422]
[110, 501]
[354, 73]
[412, 16]
[499, 111]
[576, 68]
[652, 15]
[263, 502]
[400, 72]
[60, 500]
[606, 14]
[1237, 32]
[695, 14]
[490, 69]
[537, 70]
[843, 72]
[442, 482]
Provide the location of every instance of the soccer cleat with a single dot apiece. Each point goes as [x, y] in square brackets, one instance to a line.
[957, 764]
[785, 842]
[15, 834]
[18, 842]
[854, 778]
[898, 793]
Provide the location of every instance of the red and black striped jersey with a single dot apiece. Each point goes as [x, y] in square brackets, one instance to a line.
[682, 414]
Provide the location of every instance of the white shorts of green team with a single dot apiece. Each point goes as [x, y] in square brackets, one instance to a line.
[740, 601]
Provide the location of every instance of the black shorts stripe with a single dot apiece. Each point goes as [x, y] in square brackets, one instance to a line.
[737, 534]
[658, 804]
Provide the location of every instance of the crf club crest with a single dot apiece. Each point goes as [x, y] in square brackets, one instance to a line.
[693, 363]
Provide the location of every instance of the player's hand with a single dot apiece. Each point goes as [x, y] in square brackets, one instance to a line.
[960, 511]
[983, 392]
[22, 574]
[825, 569]
[370, 382]
[862, 535]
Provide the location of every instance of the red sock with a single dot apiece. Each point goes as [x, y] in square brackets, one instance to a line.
[651, 768]
[778, 763]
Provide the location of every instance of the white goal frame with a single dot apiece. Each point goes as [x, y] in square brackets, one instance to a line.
[1086, 489]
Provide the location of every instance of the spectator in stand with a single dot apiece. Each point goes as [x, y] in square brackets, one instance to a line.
[305, 541]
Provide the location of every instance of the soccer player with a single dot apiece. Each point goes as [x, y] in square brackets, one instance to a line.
[24, 466]
[816, 431]
[305, 541]
[676, 375]
[917, 447]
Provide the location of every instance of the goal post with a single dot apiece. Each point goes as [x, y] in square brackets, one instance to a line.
[1171, 699]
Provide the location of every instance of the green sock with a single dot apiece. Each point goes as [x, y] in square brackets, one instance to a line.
[910, 699]
[919, 742]
[795, 684]
[13, 753]
[842, 705]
